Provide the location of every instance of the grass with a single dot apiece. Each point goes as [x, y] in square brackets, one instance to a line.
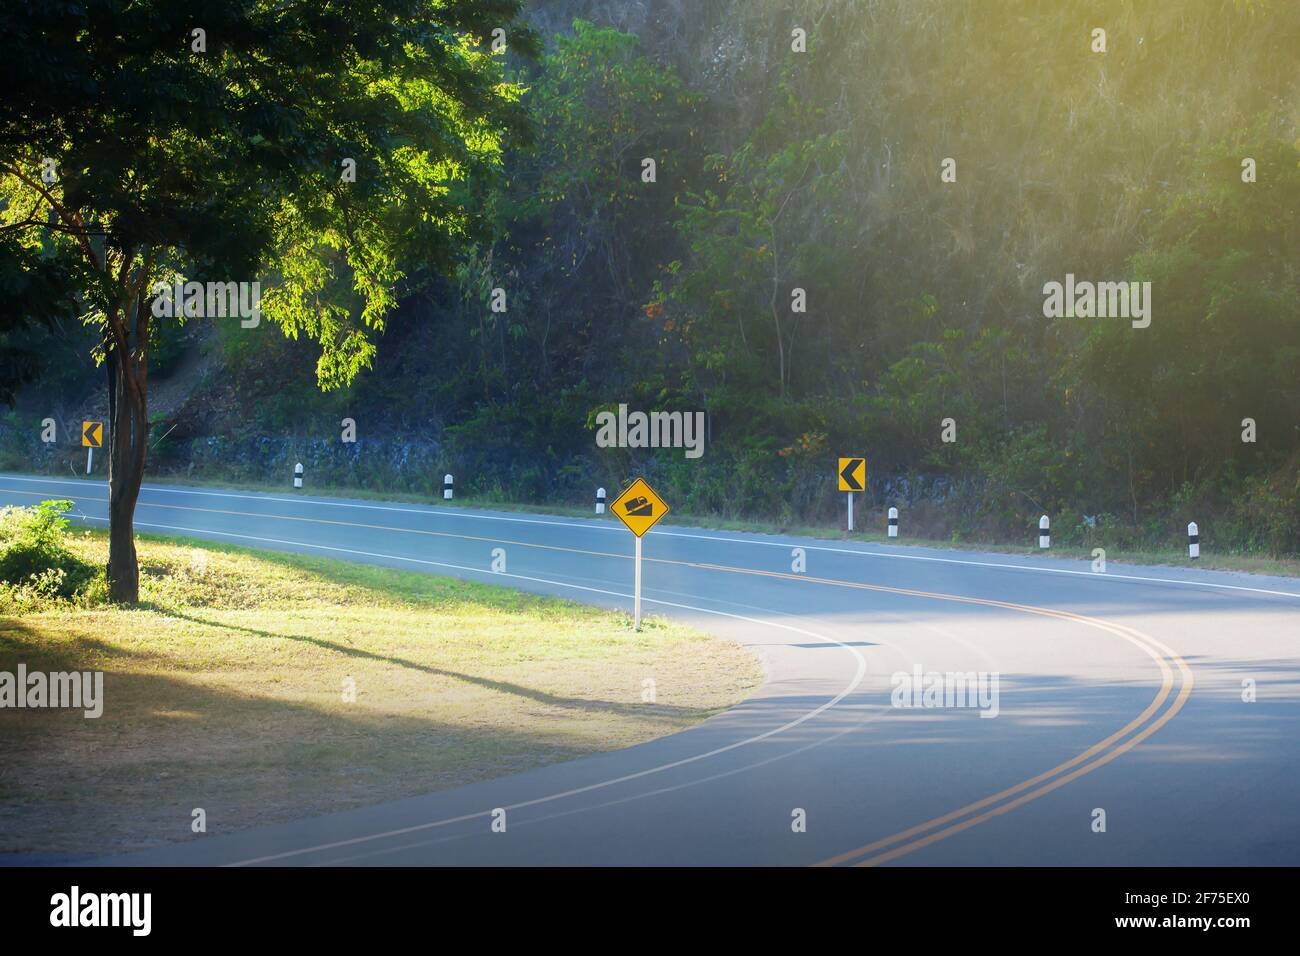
[1209, 560]
[224, 689]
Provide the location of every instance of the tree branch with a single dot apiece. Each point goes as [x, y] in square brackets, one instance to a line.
[79, 227]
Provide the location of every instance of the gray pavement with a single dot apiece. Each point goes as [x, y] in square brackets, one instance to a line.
[1119, 691]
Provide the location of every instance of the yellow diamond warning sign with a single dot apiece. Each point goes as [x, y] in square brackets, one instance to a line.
[639, 507]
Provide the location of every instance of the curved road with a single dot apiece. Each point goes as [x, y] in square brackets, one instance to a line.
[1120, 692]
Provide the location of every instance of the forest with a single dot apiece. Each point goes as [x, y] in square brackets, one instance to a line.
[829, 226]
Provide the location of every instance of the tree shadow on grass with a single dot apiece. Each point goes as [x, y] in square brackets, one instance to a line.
[504, 687]
[166, 745]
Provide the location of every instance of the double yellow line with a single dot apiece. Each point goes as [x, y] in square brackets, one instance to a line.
[1152, 718]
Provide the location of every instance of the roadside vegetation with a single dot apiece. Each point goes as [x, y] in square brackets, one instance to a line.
[780, 171]
[38, 569]
[225, 688]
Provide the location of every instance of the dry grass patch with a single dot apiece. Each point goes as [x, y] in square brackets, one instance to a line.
[225, 690]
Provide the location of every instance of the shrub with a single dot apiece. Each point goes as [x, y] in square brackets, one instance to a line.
[34, 556]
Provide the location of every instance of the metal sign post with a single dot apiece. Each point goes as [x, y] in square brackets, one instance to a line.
[636, 601]
[639, 508]
[852, 477]
[92, 436]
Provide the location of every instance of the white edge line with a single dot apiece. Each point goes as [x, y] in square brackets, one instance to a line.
[853, 685]
[596, 525]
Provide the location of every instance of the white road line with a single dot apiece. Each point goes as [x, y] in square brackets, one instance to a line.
[859, 674]
[879, 712]
[440, 512]
[1131, 636]
[596, 525]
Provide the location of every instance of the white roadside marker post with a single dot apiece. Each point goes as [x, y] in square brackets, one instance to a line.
[600, 501]
[446, 487]
[1193, 540]
[893, 522]
[1044, 532]
[90, 457]
[850, 496]
[297, 475]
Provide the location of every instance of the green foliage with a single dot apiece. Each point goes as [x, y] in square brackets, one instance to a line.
[238, 160]
[35, 563]
[1268, 519]
[779, 171]
[580, 236]
[754, 237]
[1224, 343]
[925, 298]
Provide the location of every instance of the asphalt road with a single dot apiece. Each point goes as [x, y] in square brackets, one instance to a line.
[1120, 692]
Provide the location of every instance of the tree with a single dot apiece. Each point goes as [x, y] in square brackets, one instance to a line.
[35, 291]
[1224, 339]
[753, 241]
[147, 143]
[581, 228]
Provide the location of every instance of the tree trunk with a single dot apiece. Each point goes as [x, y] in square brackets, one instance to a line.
[128, 445]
